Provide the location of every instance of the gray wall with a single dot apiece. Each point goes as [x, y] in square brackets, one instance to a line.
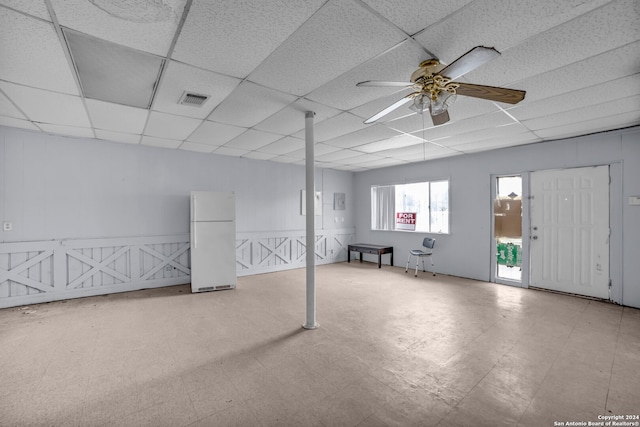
[54, 187]
[466, 251]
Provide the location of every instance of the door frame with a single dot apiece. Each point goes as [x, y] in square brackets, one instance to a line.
[524, 280]
[616, 204]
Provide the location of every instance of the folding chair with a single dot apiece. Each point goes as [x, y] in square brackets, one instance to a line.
[428, 243]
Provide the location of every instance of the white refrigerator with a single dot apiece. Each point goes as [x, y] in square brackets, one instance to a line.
[213, 241]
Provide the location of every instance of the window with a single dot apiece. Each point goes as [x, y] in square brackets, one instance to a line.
[420, 206]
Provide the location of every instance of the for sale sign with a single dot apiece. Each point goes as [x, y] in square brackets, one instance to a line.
[406, 221]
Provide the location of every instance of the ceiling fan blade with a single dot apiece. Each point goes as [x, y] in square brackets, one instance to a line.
[469, 61]
[378, 83]
[390, 108]
[440, 118]
[499, 94]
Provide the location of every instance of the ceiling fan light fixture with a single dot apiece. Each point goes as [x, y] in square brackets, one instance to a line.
[442, 103]
[419, 105]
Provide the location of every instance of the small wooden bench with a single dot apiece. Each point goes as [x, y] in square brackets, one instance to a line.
[367, 248]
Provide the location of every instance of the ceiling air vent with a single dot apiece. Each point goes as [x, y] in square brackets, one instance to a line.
[194, 99]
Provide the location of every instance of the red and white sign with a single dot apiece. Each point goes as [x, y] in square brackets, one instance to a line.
[406, 221]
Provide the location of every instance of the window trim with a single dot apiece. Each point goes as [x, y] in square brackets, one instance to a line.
[447, 179]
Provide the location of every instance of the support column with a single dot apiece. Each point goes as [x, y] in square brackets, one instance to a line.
[311, 217]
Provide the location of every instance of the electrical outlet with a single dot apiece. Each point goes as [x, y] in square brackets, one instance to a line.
[7, 226]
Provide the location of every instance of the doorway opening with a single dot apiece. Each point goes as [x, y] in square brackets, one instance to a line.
[507, 229]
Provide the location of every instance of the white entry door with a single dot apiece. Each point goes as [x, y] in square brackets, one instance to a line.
[570, 231]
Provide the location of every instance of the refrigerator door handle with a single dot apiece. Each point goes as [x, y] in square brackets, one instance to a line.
[195, 235]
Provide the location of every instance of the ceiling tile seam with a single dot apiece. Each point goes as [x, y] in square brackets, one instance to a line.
[163, 65]
[373, 58]
[28, 15]
[287, 38]
[408, 37]
[241, 81]
[70, 62]
[506, 112]
[15, 106]
[358, 2]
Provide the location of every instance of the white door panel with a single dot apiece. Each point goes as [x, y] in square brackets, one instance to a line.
[570, 230]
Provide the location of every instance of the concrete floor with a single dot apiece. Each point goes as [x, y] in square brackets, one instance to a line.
[391, 350]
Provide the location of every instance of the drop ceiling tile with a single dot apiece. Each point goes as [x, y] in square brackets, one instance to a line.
[337, 155]
[592, 95]
[113, 73]
[369, 134]
[8, 109]
[412, 15]
[585, 36]
[510, 24]
[396, 64]
[499, 132]
[26, 45]
[198, 148]
[230, 151]
[169, 126]
[362, 158]
[498, 142]
[257, 155]
[234, 37]
[213, 133]
[335, 126]
[285, 145]
[327, 165]
[284, 159]
[35, 8]
[583, 74]
[319, 149]
[591, 112]
[418, 153]
[291, 119]
[249, 104]
[17, 123]
[66, 130]
[160, 142]
[350, 34]
[400, 141]
[179, 78]
[590, 126]
[142, 25]
[252, 140]
[384, 162]
[47, 107]
[349, 168]
[118, 118]
[126, 138]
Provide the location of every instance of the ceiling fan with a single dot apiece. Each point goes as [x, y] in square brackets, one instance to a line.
[435, 89]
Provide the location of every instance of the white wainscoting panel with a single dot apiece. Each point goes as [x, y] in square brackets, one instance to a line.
[269, 251]
[43, 271]
[35, 272]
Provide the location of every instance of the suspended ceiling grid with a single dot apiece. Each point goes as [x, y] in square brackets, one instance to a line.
[116, 70]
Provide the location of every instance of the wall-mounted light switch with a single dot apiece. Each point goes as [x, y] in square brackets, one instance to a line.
[7, 226]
